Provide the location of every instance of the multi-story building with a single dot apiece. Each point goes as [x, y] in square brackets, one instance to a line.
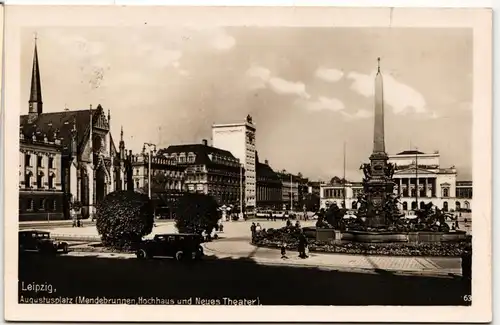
[269, 187]
[314, 187]
[239, 139]
[166, 172]
[65, 156]
[419, 180]
[294, 190]
[209, 170]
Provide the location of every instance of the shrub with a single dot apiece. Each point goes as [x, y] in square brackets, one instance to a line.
[196, 213]
[123, 218]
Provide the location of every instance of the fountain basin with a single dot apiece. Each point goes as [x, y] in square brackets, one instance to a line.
[327, 235]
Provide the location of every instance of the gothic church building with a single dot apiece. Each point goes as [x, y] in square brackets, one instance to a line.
[65, 157]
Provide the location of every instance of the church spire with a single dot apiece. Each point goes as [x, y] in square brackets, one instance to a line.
[35, 102]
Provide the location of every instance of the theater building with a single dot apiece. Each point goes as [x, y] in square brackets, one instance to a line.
[419, 178]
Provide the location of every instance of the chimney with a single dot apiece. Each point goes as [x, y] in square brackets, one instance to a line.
[204, 142]
[266, 162]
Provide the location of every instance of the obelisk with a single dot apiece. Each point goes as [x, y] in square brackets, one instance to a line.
[379, 185]
[378, 131]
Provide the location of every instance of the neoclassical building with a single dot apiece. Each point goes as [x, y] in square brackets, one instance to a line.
[66, 156]
[419, 179]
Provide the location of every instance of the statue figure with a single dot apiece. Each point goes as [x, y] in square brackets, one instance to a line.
[366, 170]
[389, 170]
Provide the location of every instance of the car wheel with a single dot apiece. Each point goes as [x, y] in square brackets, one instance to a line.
[179, 255]
[141, 254]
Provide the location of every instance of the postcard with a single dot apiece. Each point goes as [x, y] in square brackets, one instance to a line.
[247, 164]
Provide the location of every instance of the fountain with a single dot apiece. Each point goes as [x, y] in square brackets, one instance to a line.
[379, 219]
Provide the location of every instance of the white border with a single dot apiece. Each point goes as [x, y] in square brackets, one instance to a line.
[478, 19]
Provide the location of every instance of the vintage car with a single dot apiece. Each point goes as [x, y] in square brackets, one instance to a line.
[40, 241]
[178, 246]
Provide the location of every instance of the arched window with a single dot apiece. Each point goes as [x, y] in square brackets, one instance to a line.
[137, 184]
[467, 205]
[413, 192]
[422, 204]
[457, 206]
[413, 205]
[405, 206]
[445, 206]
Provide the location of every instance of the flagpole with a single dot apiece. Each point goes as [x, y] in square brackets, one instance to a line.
[343, 194]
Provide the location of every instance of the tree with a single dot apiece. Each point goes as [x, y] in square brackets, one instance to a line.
[123, 218]
[312, 202]
[196, 213]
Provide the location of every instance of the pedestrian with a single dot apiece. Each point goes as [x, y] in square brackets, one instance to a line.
[221, 227]
[302, 246]
[456, 225]
[270, 217]
[258, 227]
[78, 224]
[283, 250]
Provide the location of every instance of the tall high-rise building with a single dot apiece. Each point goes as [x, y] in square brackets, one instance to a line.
[239, 139]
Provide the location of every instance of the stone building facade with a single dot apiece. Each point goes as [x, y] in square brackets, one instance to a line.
[210, 171]
[269, 187]
[78, 145]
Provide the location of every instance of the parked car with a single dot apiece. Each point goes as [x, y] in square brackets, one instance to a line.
[178, 246]
[40, 241]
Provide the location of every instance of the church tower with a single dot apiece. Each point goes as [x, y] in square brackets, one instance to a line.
[35, 101]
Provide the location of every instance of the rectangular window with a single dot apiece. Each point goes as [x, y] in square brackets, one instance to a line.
[27, 160]
[39, 161]
[51, 162]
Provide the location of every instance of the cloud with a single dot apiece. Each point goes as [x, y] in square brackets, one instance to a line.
[223, 41]
[285, 87]
[360, 114]
[401, 97]
[327, 104]
[260, 77]
[330, 75]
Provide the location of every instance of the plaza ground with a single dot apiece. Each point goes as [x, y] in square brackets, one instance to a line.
[236, 269]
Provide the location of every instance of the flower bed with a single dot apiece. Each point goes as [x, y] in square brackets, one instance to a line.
[273, 238]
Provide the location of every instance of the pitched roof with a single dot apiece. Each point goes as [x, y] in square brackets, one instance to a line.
[36, 87]
[58, 124]
[264, 170]
[411, 152]
[202, 152]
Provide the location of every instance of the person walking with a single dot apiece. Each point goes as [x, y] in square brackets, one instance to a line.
[283, 250]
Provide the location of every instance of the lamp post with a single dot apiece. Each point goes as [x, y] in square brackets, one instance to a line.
[291, 192]
[149, 145]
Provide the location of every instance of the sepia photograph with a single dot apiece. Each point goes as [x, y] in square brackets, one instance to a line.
[209, 157]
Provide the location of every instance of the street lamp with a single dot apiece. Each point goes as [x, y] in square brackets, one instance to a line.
[149, 145]
[241, 189]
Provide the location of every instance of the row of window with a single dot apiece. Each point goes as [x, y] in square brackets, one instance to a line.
[39, 161]
[38, 205]
[39, 181]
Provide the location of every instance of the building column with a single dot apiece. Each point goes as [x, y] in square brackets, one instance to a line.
[400, 183]
[426, 187]
[91, 188]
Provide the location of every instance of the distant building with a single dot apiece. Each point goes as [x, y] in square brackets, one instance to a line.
[419, 180]
[64, 157]
[269, 187]
[209, 170]
[314, 187]
[294, 190]
[239, 139]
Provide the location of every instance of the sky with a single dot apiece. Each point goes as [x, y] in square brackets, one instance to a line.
[309, 90]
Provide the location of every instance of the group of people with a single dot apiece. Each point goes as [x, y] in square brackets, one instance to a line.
[302, 247]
